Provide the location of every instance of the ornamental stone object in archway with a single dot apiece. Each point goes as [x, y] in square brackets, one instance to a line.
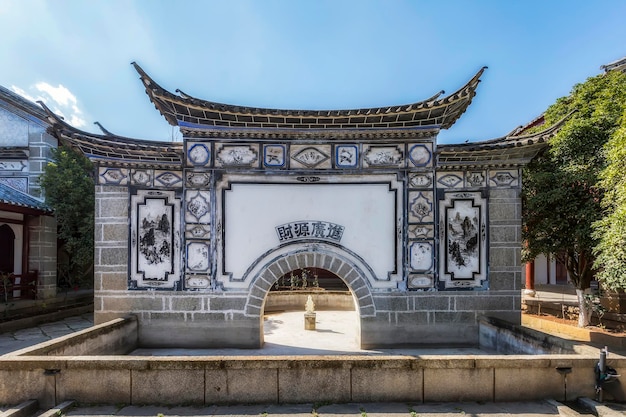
[191, 236]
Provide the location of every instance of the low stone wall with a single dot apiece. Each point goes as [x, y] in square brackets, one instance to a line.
[36, 374]
[117, 337]
[295, 300]
[307, 379]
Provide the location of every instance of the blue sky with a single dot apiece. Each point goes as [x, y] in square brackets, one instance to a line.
[300, 54]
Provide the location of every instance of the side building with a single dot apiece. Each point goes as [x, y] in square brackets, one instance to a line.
[27, 227]
[191, 236]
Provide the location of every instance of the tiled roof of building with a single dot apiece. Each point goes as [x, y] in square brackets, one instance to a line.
[511, 150]
[18, 102]
[117, 150]
[17, 201]
[617, 65]
[195, 116]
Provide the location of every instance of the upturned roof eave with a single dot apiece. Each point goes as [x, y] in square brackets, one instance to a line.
[449, 108]
[115, 149]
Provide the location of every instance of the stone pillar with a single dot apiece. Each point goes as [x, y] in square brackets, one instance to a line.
[42, 256]
[111, 251]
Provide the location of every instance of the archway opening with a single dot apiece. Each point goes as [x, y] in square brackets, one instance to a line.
[334, 324]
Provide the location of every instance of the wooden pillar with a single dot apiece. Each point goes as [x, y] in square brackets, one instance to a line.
[530, 277]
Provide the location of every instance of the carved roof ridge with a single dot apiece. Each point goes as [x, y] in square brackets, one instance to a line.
[185, 110]
[116, 148]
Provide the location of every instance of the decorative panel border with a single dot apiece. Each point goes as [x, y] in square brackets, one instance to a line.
[155, 240]
[463, 240]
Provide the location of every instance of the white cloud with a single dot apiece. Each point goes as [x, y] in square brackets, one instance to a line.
[59, 99]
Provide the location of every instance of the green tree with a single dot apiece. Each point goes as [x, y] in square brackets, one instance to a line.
[611, 230]
[69, 188]
[562, 197]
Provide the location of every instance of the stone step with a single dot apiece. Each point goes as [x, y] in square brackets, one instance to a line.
[25, 409]
[59, 410]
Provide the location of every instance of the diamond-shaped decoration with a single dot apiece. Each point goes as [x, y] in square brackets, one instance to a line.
[310, 157]
[450, 180]
[115, 176]
[168, 179]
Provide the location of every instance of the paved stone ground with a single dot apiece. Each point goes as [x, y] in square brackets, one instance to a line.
[526, 409]
[20, 339]
[335, 334]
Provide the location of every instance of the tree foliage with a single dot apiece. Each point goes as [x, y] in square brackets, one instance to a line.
[611, 229]
[69, 189]
[562, 193]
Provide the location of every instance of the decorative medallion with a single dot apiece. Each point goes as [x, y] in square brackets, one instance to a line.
[421, 256]
[420, 155]
[274, 156]
[197, 256]
[310, 157]
[421, 281]
[346, 156]
[198, 154]
[380, 156]
[450, 180]
[475, 179]
[197, 282]
[198, 231]
[198, 179]
[198, 207]
[421, 207]
[420, 180]
[421, 231]
[237, 155]
[141, 177]
[117, 176]
[167, 178]
[504, 178]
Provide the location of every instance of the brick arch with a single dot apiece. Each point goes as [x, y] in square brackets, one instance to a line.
[347, 266]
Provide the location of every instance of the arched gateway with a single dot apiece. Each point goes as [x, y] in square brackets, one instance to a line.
[191, 236]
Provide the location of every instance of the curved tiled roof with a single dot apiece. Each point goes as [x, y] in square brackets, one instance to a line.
[17, 201]
[511, 150]
[190, 113]
[117, 150]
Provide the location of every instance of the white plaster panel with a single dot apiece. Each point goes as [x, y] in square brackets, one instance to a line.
[115, 176]
[368, 213]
